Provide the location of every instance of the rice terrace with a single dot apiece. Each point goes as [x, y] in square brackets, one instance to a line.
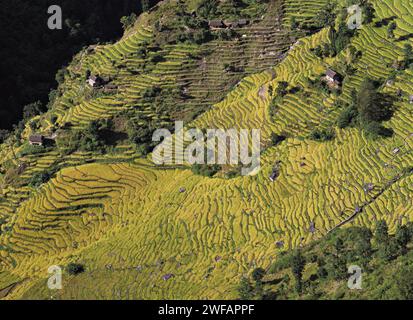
[87, 211]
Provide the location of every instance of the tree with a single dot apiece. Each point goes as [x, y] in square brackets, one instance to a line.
[337, 260]
[404, 283]
[75, 268]
[277, 139]
[282, 88]
[373, 108]
[4, 134]
[341, 38]
[146, 5]
[381, 233]
[402, 237]
[407, 52]
[207, 9]
[389, 251]
[60, 75]
[245, 290]
[368, 13]
[375, 129]
[128, 21]
[347, 117]
[321, 134]
[326, 16]
[258, 274]
[297, 267]
[293, 23]
[39, 178]
[31, 110]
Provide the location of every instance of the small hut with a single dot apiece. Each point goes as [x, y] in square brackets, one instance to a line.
[95, 81]
[216, 24]
[333, 77]
[242, 22]
[36, 140]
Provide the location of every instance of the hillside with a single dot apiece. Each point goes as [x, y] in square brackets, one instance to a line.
[31, 53]
[142, 231]
[381, 263]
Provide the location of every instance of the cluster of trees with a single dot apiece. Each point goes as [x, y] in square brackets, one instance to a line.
[367, 109]
[326, 16]
[30, 53]
[332, 255]
[339, 40]
[40, 178]
[89, 139]
[321, 134]
[205, 170]
[212, 9]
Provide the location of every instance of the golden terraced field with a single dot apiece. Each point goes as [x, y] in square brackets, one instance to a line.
[130, 225]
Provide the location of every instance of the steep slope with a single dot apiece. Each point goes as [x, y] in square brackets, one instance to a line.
[131, 223]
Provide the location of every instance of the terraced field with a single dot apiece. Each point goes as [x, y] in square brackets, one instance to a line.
[131, 223]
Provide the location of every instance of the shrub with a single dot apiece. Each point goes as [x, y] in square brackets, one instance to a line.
[258, 274]
[277, 139]
[31, 110]
[128, 21]
[39, 178]
[321, 134]
[347, 117]
[75, 268]
[205, 170]
[374, 129]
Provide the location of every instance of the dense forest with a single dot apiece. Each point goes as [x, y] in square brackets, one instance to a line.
[31, 54]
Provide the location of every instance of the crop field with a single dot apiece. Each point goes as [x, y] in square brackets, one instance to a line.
[131, 223]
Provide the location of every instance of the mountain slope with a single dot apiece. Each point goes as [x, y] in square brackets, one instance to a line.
[131, 223]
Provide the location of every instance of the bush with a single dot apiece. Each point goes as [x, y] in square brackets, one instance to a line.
[128, 21]
[375, 130]
[205, 170]
[31, 110]
[39, 178]
[75, 268]
[371, 105]
[321, 134]
[277, 139]
[258, 274]
[347, 117]
[31, 149]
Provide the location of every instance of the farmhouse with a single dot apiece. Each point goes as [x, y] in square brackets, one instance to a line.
[216, 24]
[95, 81]
[36, 140]
[242, 22]
[231, 24]
[333, 77]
